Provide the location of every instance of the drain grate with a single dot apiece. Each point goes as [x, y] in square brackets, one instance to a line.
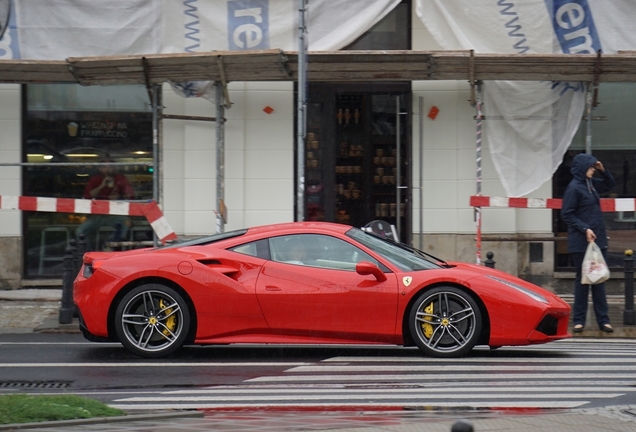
[35, 384]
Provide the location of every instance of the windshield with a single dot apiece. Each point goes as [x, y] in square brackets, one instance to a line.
[402, 256]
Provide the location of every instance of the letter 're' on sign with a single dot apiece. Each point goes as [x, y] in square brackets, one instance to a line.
[248, 24]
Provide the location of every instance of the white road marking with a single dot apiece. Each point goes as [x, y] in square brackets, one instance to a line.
[379, 359]
[432, 376]
[448, 368]
[377, 396]
[371, 405]
[151, 364]
[446, 389]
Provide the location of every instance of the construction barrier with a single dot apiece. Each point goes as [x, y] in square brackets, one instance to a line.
[607, 204]
[150, 210]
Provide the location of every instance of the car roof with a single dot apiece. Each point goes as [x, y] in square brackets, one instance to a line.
[299, 227]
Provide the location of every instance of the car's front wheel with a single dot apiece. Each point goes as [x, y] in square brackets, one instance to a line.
[445, 322]
[152, 320]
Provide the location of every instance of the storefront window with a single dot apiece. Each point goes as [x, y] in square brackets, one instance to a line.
[612, 137]
[67, 129]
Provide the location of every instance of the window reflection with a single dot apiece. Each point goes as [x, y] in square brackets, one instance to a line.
[68, 129]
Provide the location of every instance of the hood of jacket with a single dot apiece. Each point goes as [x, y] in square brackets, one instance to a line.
[580, 165]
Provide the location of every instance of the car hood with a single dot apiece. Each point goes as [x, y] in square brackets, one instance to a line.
[490, 275]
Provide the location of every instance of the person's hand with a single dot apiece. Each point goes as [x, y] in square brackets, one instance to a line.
[590, 235]
[599, 166]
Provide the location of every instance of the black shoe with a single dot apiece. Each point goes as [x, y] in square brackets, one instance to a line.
[607, 328]
[578, 328]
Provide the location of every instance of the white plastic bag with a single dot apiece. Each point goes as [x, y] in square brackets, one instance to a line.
[594, 270]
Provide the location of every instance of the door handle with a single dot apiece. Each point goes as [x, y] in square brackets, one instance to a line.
[271, 288]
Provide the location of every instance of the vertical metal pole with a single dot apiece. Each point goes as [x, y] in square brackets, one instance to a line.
[302, 111]
[479, 118]
[68, 276]
[220, 154]
[398, 172]
[421, 108]
[588, 118]
[629, 317]
[155, 150]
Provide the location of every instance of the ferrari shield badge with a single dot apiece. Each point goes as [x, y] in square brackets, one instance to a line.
[406, 280]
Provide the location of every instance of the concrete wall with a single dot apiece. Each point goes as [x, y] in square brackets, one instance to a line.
[10, 178]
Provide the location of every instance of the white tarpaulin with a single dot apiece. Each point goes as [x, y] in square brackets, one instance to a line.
[57, 29]
[529, 125]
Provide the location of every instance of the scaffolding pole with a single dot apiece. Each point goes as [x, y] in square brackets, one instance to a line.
[220, 157]
[421, 185]
[302, 111]
[478, 119]
[589, 96]
[156, 108]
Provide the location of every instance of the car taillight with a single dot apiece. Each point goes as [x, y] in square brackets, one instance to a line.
[90, 267]
[88, 271]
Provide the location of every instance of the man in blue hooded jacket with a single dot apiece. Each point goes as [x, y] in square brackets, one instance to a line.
[581, 211]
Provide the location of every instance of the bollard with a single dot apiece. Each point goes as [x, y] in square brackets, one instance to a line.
[68, 275]
[462, 426]
[81, 250]
[489, 261]
[73, 245]
[628, 314]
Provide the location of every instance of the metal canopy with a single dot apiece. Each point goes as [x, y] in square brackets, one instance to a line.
[329, 66]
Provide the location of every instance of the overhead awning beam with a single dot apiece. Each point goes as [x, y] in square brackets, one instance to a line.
[325, 66]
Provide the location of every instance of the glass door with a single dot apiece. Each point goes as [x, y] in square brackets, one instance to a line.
[358, 155]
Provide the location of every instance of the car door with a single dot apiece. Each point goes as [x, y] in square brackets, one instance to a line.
[310, 288]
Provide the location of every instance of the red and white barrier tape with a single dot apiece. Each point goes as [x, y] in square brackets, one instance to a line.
[150, 210]
[607, 204]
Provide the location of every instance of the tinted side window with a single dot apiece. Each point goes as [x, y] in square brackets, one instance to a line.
[317, 251]
[259, 249]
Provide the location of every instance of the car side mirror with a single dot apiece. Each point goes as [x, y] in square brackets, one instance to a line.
[366, 268]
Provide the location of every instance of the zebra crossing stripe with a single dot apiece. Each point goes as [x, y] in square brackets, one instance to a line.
[548, 380]
[369, 405]
[376, 396]
[447, 368]
[432, 377]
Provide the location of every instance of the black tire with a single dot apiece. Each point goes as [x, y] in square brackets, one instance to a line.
[152, 321]
[445, 322]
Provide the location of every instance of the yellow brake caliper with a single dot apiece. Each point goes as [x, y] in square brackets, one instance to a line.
[427, 328]
[171, 322]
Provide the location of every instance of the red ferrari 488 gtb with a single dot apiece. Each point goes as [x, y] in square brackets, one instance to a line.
[307, 283]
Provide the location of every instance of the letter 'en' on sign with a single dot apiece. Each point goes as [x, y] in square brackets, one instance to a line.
[574, 26]
[248, 24]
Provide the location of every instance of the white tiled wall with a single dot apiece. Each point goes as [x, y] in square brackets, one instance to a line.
[10, 142]
[259, 149]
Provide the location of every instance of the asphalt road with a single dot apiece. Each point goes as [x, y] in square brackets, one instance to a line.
[566, 374]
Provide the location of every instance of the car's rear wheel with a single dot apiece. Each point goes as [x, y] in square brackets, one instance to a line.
[445, 322]
[152, 320]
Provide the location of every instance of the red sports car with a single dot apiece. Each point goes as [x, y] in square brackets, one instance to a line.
[307, 283]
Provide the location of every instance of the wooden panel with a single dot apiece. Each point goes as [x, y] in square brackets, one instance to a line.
[276, 65]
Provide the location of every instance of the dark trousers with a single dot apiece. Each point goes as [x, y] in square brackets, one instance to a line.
[581, 293]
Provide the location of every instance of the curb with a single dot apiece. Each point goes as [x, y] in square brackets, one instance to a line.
[52, 325]
[102, 420]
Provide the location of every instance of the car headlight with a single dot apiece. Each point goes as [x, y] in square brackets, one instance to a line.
[526, 291]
